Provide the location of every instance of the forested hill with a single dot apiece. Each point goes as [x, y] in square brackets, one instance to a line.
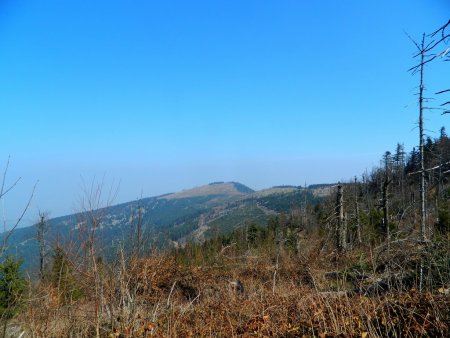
[164, 221]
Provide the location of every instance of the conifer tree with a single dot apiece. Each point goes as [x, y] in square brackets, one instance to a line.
[12, 287]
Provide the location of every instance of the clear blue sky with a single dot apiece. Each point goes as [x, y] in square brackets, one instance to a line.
[165, 95]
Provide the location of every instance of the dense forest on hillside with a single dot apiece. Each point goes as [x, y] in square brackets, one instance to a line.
[370, 259]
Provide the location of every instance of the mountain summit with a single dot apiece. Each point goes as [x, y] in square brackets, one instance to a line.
[223, 189]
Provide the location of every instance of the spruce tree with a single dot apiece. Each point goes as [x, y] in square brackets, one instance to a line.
[12, 287]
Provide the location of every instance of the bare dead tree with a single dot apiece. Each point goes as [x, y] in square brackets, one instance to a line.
[137, 240]
[426, 55]
[385, 207]
[41, 229]
[358, 223]
[399, 158]
[423, 229]
[387, 159]
[305, 207]
[341, 231]
[94, 204]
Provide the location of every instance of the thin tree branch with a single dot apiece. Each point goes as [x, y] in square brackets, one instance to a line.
[4, 191]
[433, 108]
[443, 91]
[422, 64]
[8, 235]
[442, 29]
[429, 169]
[437, 43]
[413, 41]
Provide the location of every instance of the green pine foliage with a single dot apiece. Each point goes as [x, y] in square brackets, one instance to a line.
[12, 287]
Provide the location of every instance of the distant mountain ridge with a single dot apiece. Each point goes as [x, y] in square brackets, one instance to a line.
[167, 220]
[215, 188]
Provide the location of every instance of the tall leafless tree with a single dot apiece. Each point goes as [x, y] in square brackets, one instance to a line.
[41, 229]
[94, 204]
[357, 216]
[387, 159]
[426, 55]
[341, 231]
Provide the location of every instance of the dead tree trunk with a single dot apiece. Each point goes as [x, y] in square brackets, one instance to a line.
[305, 209]
[341, 233]
[358, 225]
[438, 189]
[424, 50]
[385, 206]
[138, 239]
[41, 229]
[423, 230]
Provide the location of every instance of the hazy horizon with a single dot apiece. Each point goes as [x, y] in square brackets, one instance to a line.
[167, 96]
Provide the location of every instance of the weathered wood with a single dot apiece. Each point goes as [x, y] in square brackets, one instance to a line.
[341, 233]
[385, 206]
[358, 224]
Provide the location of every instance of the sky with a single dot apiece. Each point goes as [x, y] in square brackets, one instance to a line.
[158, 96]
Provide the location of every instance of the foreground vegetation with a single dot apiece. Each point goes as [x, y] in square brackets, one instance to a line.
[259, 291]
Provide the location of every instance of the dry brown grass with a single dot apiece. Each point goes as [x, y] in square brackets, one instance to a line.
[158, 297]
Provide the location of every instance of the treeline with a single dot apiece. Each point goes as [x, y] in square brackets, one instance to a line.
[378, 213]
